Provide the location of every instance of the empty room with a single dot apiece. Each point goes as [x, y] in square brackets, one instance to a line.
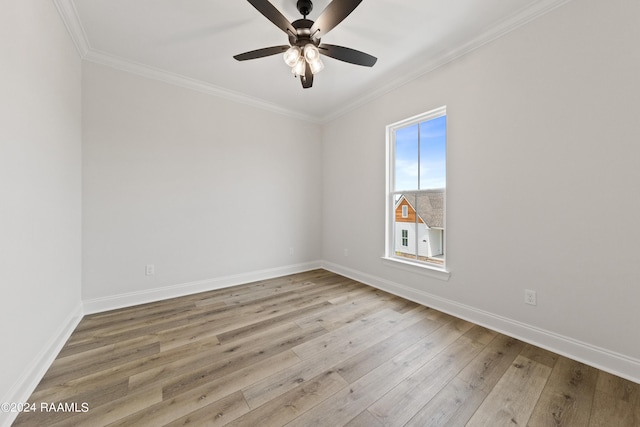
[328, 213]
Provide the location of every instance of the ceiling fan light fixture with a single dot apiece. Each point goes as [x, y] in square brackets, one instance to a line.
[292, 55]
[299, 67]
[311, 53]
[302, 53]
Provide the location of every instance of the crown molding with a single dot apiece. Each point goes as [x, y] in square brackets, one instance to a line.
[70, 17]
[516, 20]
[154, 73]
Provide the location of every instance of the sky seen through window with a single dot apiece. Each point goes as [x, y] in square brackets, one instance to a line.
[420, 154]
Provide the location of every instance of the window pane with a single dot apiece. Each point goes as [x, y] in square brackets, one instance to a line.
[433, 137]
[406, 160]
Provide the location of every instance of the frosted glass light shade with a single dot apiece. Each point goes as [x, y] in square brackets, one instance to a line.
[292, 55]
[299, 67]
[316, 66]
[311, 53]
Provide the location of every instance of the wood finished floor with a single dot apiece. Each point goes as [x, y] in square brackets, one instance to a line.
[316, 349]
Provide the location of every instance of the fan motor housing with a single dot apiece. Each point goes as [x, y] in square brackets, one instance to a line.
[303, 33]
[304, 7]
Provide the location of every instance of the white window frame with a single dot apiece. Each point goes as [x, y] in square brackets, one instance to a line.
[405, 211]
[389, 258]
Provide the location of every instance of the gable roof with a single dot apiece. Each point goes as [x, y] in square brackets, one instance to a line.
[428, 204]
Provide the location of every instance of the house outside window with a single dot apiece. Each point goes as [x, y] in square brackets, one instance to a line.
[416, 189]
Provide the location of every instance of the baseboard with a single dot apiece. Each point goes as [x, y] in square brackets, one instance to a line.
[98, 305]
[32, 375]
[606, 360]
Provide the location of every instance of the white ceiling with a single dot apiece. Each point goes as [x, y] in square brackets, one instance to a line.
[192, 42]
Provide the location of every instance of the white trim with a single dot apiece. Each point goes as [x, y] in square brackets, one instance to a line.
[70, 18]
[154, 73]
[606, 360]
[414, 267]
[32, 375]
[418, 118]
[518, 19]
[97, 305]
[69, 15]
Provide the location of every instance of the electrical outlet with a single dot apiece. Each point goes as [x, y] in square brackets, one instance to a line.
[530, 297]
[346, 252]
[149, 270]
[291, 251]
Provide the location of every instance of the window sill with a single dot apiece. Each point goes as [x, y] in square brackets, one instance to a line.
[425, 270]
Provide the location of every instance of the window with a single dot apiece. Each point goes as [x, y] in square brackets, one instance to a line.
[416, 182]
[405, 237]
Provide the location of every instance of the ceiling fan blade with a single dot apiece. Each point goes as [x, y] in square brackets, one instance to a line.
[261, 53]
[272, 14]
[332, 15]
[307, 79]
[346, 54]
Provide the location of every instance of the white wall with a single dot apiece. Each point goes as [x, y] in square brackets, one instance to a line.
[201, 187]
[543, 148]
[40, 206]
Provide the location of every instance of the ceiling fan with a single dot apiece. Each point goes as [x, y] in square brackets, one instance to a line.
[304, 49]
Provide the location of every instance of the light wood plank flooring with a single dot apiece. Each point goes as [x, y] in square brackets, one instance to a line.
[315, 349]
